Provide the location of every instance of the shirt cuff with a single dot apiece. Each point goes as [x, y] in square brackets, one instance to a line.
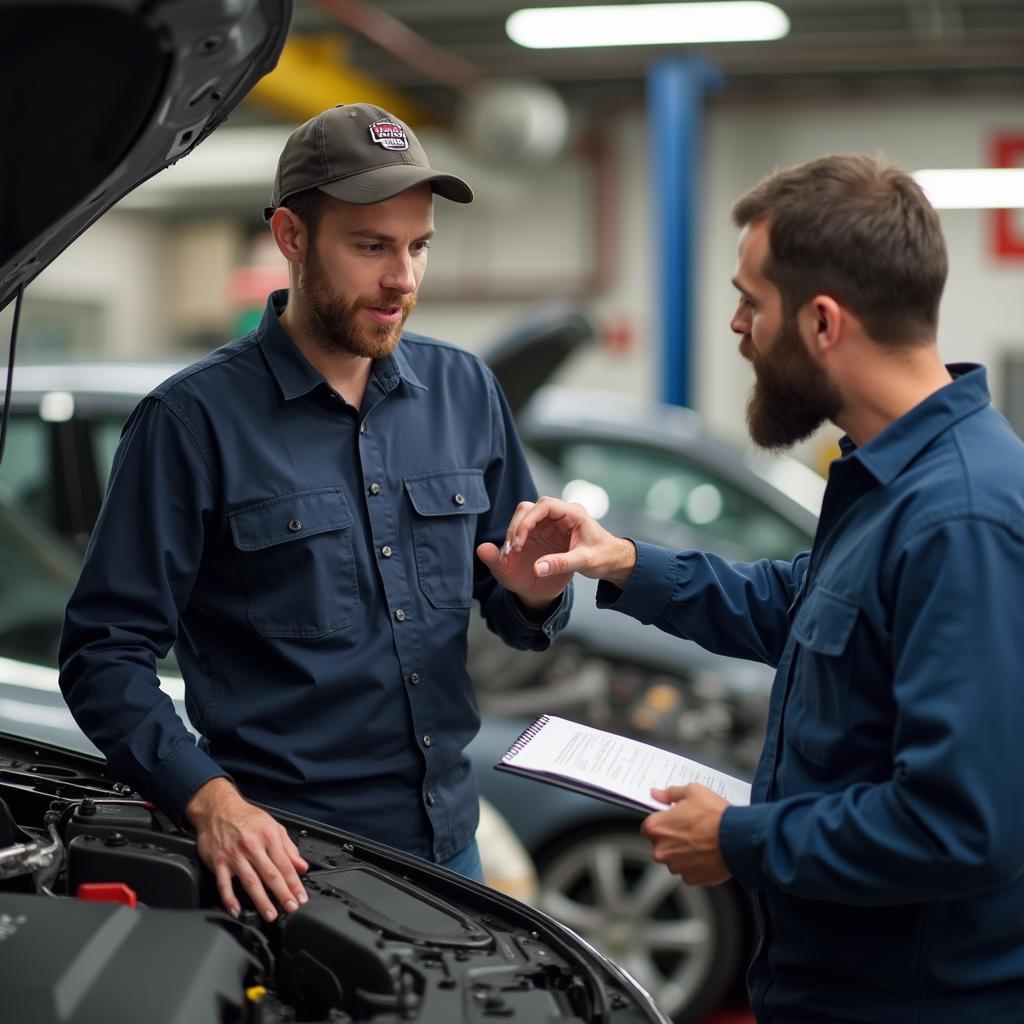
[648, 589]
[740, 841]
[176, 780]
[552, 622]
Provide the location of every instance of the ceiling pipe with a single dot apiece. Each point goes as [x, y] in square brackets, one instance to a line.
[402, 42]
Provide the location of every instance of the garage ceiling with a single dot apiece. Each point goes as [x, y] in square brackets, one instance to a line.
[835, 47]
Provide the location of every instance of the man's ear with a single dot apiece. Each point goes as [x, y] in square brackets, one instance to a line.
[822, 320]
[290, 234]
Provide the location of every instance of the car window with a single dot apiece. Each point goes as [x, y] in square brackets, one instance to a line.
[25, 474]
[105, 433]
[666, 486]
[46, 569]
[39, 573]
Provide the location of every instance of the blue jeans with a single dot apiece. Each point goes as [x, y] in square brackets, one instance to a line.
[466, 862]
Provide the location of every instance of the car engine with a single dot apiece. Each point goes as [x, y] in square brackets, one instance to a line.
[107, 914]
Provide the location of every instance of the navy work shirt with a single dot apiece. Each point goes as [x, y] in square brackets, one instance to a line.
[885, 840]
[314, 566]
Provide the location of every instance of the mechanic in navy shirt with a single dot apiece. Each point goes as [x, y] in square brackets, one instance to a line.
[884, 845]
[307, 514]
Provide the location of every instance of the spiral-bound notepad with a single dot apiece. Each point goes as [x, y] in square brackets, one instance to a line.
[609, 767]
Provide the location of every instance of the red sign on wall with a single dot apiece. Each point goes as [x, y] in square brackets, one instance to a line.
[1008, 225]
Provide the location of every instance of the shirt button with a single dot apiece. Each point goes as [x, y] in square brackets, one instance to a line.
[415, 679]
[400, 615]
[362, 428]
[426, 741]
[375, 488]
[431, 799]
[459, 499]
[295, 526]
[386, 551]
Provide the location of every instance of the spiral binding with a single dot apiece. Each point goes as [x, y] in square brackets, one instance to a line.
[524, 738]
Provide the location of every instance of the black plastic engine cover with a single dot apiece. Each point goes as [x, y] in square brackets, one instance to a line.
[95, 962]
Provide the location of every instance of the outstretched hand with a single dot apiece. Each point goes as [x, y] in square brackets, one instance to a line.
[515, 568]
[550, 539]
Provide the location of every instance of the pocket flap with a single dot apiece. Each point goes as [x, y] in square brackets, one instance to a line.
[825, 622]
[291, 517]
[454, 492]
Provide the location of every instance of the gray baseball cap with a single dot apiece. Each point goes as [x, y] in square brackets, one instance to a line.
[358, 153]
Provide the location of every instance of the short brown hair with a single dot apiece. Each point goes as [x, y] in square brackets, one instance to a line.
[858, 230]
[309, 206]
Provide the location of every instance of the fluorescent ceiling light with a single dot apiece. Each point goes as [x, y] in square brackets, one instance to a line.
[542, 28]
[979, 188]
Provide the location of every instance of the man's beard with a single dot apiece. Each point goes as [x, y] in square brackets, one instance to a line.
[792, 394]
[336, 324]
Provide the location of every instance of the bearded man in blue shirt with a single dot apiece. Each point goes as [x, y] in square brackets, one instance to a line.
[884, 844]
[307, 514]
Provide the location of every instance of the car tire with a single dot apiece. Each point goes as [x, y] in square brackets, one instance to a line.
[682, 943]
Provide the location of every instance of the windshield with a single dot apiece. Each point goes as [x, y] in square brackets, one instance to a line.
[37, 574]
[664, 487]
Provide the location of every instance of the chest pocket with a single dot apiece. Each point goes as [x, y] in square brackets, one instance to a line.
[445, 509]
[295, 555]
[817, 714]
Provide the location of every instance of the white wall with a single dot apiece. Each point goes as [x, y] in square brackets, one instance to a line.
[120, 265]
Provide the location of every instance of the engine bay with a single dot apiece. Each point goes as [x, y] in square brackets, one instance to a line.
[107, 913]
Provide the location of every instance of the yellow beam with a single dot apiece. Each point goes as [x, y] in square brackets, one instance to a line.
[313, 74]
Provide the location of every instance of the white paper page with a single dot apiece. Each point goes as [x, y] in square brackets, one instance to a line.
[615, 763]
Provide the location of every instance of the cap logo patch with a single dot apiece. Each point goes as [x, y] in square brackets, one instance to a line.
[389, 135]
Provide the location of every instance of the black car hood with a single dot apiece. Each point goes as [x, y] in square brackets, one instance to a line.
[527, 357]
[98, 96]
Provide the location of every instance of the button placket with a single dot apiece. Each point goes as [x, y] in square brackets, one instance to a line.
[394, 579]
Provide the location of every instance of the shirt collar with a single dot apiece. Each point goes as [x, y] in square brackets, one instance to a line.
[293, 373]
[886, 455]
[400, 361]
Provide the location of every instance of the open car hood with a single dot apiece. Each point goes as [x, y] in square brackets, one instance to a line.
[98, 95]
[384, 936]
[526, 358]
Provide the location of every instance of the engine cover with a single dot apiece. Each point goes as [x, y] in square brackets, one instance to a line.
[104, 962]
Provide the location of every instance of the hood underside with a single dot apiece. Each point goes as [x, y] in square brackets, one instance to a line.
[98, 96]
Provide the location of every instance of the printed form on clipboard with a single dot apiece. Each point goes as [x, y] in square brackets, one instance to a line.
[609, 767]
